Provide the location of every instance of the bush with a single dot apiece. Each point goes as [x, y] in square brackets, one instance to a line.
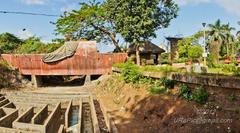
[200, 95]
[185, 92]
[169, 84]
[164, 58]
[9, 43]
[131, 73]
[181, 60]
[195, 52]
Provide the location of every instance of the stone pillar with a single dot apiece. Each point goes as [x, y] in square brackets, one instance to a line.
[36, 80]
[174, 50]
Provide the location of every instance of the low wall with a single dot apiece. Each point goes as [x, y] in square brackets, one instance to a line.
[214, 80]
[40, 116]
[26, 116]
[53, 122]
[211, 80]
[7, 120]
[67, 114]
[4, 102]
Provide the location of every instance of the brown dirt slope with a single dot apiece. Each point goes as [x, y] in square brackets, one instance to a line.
[136, 111]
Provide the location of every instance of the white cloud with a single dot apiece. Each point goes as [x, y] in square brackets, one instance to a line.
[34, 2]
[232, 6]
[69, 7]
[25, 34]
[186, 2]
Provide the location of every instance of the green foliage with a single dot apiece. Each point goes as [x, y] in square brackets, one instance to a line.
[187, 43]
[90, 22]
[195, 52]
[131, 73]
[232, 97]
[185, 92]
[9, 43]
[164, 58]
[169, 84]
[181, 60]
[137, 21]
[157, 90]
[33, 45]
[220, 40]
[160, 69]
[225, 68]
[200, 95]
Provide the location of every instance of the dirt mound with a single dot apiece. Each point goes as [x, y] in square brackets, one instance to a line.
[161, 114]
[136, 111]
[9, 78]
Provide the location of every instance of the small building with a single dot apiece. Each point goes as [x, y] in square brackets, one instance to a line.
[149, 53]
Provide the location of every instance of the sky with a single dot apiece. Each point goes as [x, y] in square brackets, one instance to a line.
[191, 16]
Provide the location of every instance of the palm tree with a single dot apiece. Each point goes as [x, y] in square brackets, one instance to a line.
[229, 39]
[216, 35]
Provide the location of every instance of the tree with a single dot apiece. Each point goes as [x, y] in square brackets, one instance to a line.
[229, 39]
[137, 20]
[216, 37]
[9, 43]
[187, 43]
[195, 52]
[34, 45]
[90, 22]
[31, 45]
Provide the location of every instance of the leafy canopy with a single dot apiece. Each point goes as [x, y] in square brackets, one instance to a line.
[9, 43]
[90, 22]
[137, 20]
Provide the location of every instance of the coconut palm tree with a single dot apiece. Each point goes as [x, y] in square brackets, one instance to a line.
[229, 39]
[216, 35]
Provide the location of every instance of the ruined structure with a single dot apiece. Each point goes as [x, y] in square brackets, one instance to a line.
[29, 112]
[85, 61]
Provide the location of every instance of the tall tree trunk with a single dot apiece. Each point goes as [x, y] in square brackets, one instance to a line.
[227, 50]
[214, 51]
[233, 52]
[138, 55]
[110, 34]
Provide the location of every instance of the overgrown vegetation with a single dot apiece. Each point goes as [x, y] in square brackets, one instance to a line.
[150, 68]
[199, 94]
[133, 74]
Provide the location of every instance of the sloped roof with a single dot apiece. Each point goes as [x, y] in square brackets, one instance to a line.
[148, 47]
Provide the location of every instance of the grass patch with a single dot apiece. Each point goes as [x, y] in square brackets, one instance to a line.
[157, 90]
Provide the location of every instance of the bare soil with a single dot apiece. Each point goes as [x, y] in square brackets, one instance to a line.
[136, 111]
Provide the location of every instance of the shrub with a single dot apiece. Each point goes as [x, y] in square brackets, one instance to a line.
[200, 95]
[169, 84]
[157, 90]
[185, 92]
[181, 60]
[232, 97]
[131, 73]
[195, 52]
